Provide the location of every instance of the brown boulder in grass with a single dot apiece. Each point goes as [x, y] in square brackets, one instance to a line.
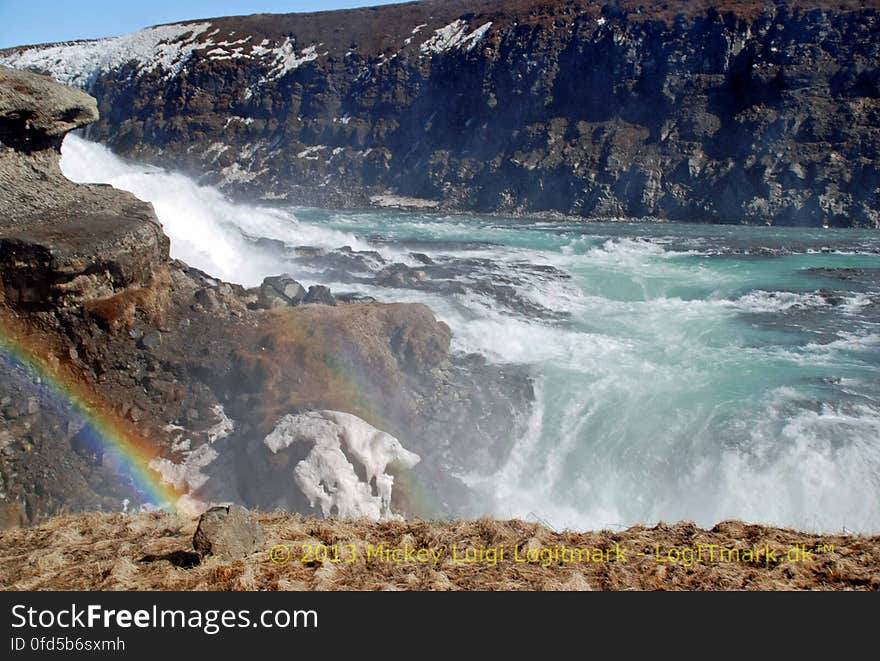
[229, 533]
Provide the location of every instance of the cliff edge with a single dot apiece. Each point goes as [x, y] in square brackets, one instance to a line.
[61, 241]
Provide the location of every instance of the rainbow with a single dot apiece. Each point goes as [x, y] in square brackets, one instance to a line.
[66, 393]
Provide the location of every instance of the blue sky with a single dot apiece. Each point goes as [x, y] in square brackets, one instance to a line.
[36, 21]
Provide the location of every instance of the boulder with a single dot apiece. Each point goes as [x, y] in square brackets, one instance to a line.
[228, 533]
[401, 275]
[281, 291]
[207, 299]
[151, 341]
[422, 258]
[319, 294]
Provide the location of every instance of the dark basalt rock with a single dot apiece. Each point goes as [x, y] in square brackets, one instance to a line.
[281, 291]
[354, 297]
[422, 258]
[863, 276]
[400, 275]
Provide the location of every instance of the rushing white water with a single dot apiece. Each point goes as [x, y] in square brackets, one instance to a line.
[206, 230]
[682, 372]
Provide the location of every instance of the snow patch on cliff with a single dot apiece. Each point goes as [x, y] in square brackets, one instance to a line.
[311, 153]
[287, 59]
[327, 475]
[235, 174]
[477, 36]
[223, 427]
[186, 476]
[222, 54]
[247, 121]
[78, 63]
[455, 36]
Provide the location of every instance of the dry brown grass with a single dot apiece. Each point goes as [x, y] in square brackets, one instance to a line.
[119, 552]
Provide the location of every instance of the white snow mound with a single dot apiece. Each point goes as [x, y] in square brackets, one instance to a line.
[327, 475]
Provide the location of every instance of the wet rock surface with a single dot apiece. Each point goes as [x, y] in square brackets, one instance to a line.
[443, 275]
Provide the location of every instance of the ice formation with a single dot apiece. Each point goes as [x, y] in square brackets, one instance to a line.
[187, 476]
[223, 427]
[327, 475]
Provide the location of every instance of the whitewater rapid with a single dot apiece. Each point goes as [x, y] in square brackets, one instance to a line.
[206, 230]
[682, 372]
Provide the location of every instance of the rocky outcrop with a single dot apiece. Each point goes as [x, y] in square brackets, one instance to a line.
[70, 257]
[390, 365]
[752, 111]
[61, 242]
[36, 114]
[105, 342]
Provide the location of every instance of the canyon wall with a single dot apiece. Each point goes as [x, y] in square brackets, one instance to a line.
[736, 112]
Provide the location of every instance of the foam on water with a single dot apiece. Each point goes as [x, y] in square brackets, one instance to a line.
[778, 301]
[687, 372]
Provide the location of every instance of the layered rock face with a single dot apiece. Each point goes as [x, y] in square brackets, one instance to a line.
[106, 342]
[740, 111]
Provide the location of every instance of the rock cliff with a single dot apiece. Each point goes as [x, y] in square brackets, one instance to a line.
[741, 111]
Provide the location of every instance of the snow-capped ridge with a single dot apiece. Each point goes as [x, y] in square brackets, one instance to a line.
[166, 47]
